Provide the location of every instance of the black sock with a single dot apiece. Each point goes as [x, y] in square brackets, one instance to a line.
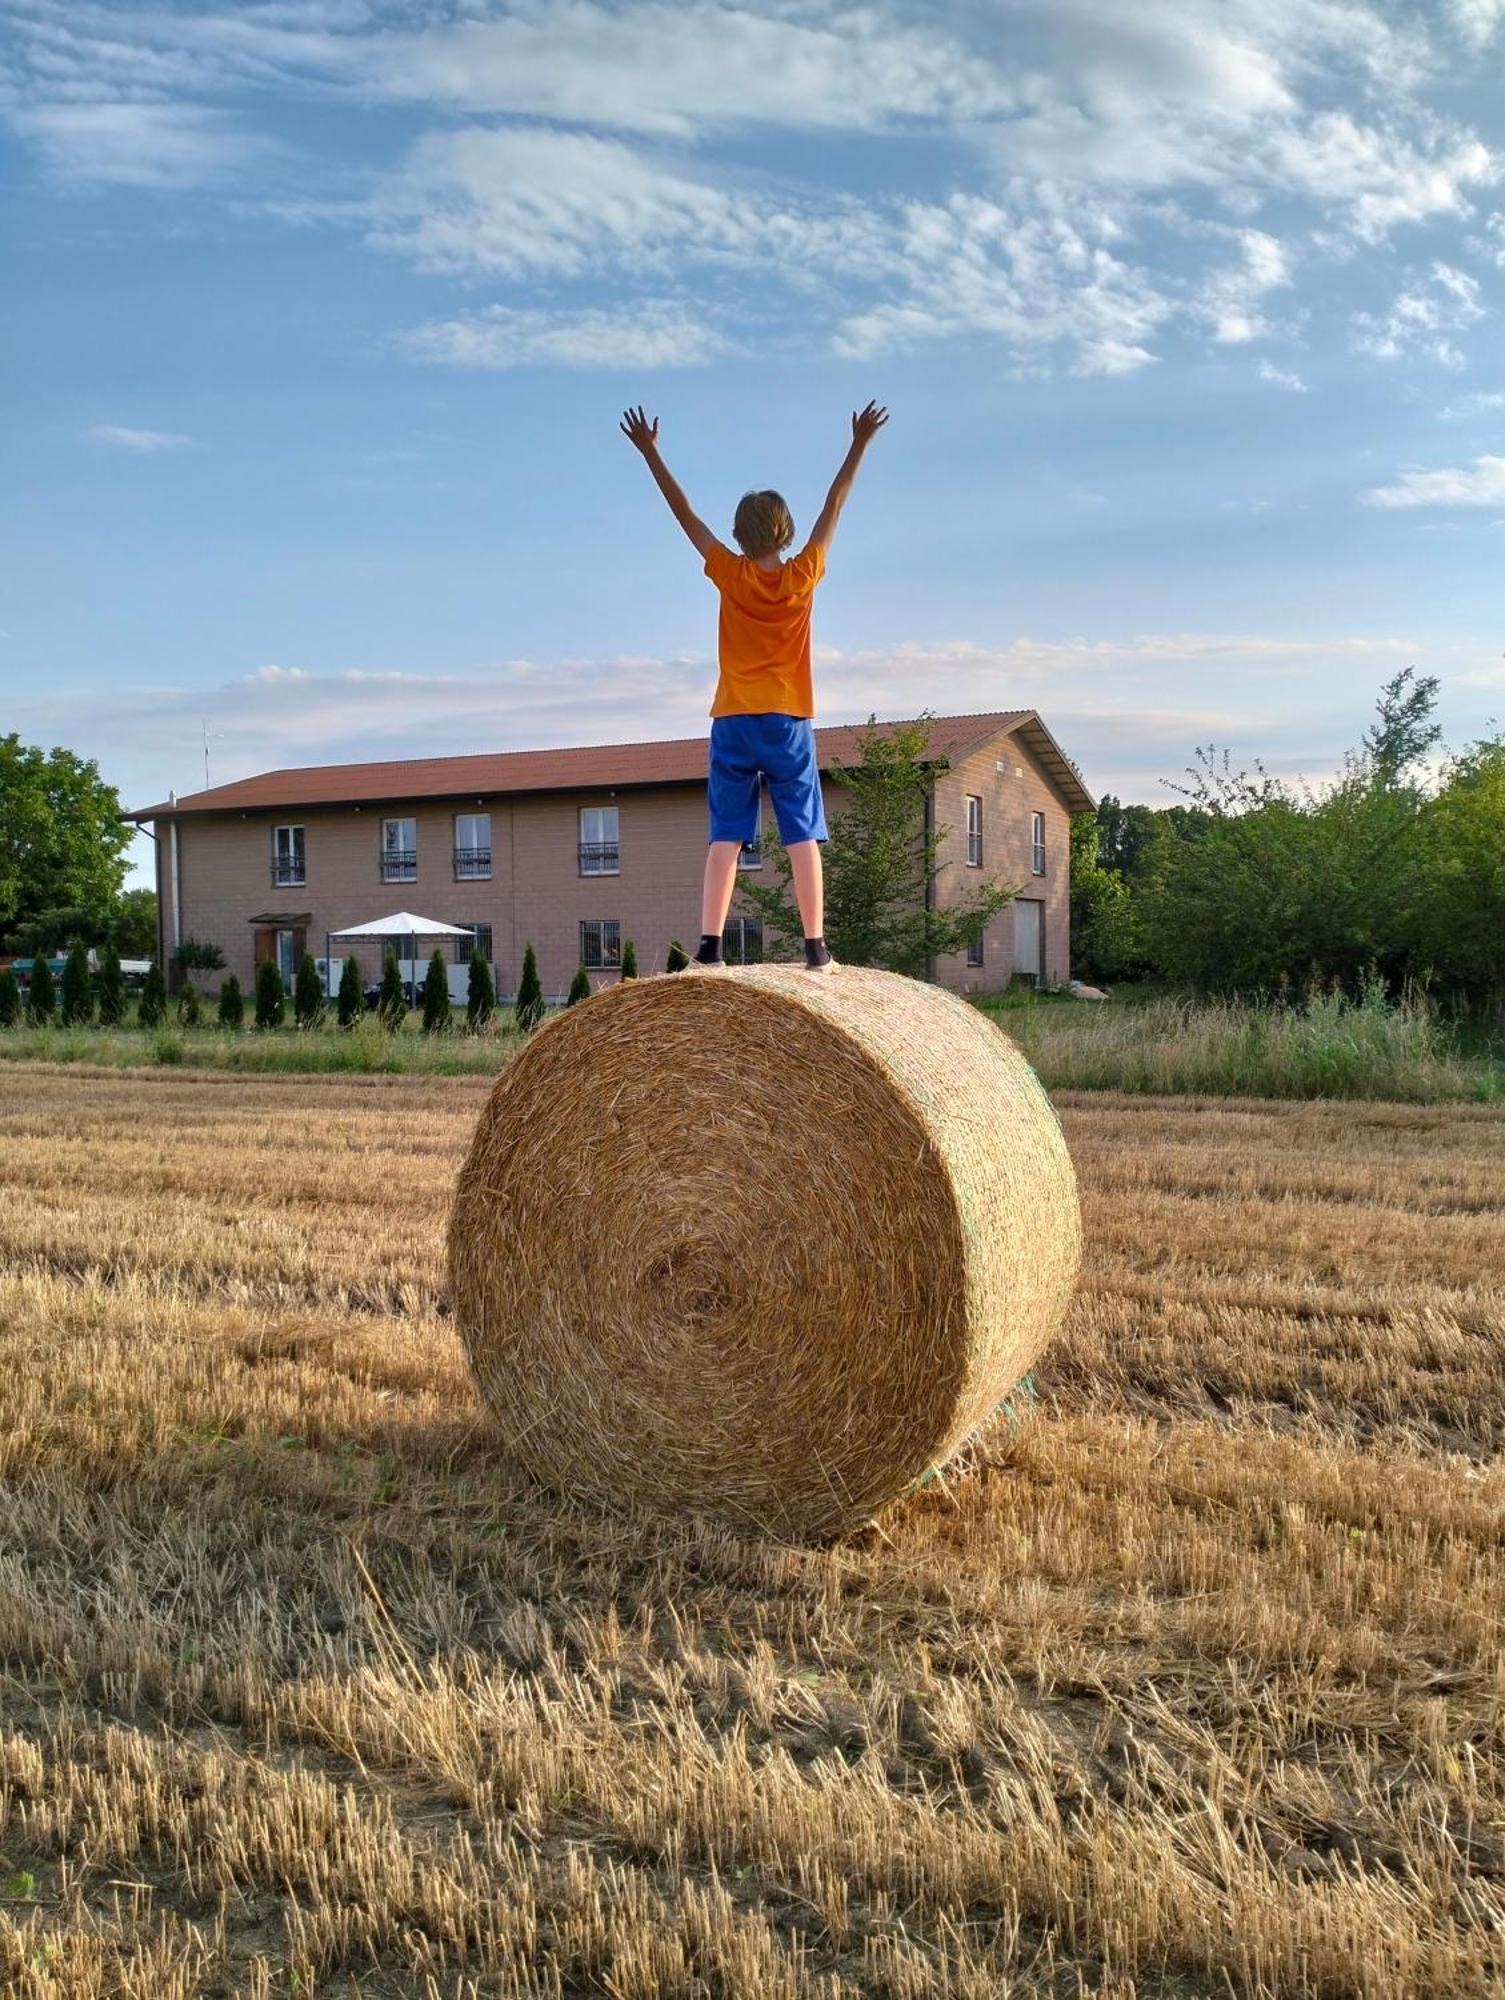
[710, 949]
[816, 953]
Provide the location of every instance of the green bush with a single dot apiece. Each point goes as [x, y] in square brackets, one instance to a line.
[43, 993]
[529, 1004]
[308, 994]
[678, 957]
[232, 1004]
[436, 1014]
[112, 999]
[190, 1013]
[167, 1048]
[350, 1006]
[78, 990]
[580, 987]
[271, 995]
[480, 994]
[151, 1009]
[629, 960]
[196, 955]
[392, 1004]
[10, 999]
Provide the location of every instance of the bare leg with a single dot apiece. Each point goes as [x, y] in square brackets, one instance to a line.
[809, 886]
[720, 879]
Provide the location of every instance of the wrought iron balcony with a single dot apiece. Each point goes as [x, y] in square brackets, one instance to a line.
[399, 864]
[471, 863]
[287, 875]
[599, 857]
[751, 855]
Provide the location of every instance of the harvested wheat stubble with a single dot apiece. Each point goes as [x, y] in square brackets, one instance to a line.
[760, 1244]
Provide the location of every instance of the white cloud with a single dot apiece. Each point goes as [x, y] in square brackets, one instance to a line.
[125, 438]
[1423, 319]
[1229, 299]
[653, 333]
[138, 145]
[1478, 21]
[1281, 378]
[1479, 404]
[1379, 176]
[1481, 484]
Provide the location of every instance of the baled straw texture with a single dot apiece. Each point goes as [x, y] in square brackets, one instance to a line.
[760, 1243]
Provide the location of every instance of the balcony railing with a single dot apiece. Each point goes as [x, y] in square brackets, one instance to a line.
[599, 857]
[399, 864]
[472, 863]
[750, 855]
[287, 875]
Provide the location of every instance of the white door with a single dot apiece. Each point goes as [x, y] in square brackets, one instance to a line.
[1029, 939]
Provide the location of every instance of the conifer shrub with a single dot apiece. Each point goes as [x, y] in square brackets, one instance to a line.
[678, 957]
[78, 987]
[629, 960]
[43, 995]
[190, 1009]
[308, 993]
[10, 999]
[435, 996]
[350, 1003]
[392, 1005]
[271, 995]
[480, 994]
[232, 1004]
[151, 1009]
[580, 987]
[529, 1004]
[112, 998]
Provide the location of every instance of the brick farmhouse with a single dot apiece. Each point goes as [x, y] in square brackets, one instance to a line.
[578, 850]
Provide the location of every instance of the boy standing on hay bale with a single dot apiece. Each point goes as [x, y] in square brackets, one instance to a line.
[762, 713]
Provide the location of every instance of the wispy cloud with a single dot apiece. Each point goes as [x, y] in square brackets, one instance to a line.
[1282, 378]
[652, 333]
[147, 145]
[1423, 319]
[1481, 484]
[125, 438]
[1480, 403]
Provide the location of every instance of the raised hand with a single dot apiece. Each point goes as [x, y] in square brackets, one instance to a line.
[637, 430]
[867, 423]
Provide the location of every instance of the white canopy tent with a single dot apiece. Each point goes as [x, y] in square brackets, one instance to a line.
[403, 925]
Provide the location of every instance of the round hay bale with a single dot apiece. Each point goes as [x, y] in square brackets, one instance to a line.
[759, 1243]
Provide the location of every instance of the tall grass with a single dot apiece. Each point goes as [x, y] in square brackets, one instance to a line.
[1329, 1046]
[367, 1048]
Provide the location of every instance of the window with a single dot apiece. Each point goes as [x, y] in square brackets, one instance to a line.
[1037, 841]
[975, 951]
[473, 848]
[742, 941]
[287, 856]
[480, 942]
[750, 855]
[599, 849]
[974, 831]
[600, 943]
[287, 957]
[399, 850]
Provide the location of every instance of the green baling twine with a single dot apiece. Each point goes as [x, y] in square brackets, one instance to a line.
[1021, 1399]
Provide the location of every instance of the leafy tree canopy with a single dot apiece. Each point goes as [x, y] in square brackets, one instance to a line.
[62, 843]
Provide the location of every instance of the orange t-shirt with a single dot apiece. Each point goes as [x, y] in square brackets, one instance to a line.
[764, 638]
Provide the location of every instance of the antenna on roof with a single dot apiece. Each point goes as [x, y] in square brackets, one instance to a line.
[217, 736]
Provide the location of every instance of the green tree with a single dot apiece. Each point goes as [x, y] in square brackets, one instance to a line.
[350, 1004]
[190, 1008]
[392, 1001]
[132, 925]
[480, 993]
[62, 841]
[271, 995]
[10, 998]
[580, 987]
[528, 1007]
[629, 960]
[232, 1004]
[435, 997]
[1103, 929]
[1403, 730]
[42, 993]
[151, 1008]
[78, 987]
[112, 1001]
[882, 866]
[308, 993]
[1454, 922]
[678, 957]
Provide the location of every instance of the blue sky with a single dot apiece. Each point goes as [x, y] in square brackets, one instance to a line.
[320, 313]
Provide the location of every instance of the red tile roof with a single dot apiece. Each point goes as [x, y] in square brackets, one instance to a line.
[680, 760]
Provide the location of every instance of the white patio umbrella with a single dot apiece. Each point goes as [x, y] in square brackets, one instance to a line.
[402, 925]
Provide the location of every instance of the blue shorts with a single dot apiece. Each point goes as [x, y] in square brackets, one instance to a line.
[745, 749]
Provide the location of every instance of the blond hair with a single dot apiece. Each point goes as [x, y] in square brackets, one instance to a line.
[763, 524]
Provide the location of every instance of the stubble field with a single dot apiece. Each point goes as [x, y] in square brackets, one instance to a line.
[1196, 1687]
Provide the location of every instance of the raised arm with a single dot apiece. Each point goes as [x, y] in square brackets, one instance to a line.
[866, 425]
[637, 430]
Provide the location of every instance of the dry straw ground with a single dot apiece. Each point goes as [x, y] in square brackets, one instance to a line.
[1197, 1688]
